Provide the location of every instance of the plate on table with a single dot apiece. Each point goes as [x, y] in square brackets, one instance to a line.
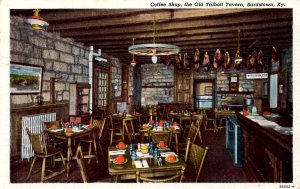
[176, 160]
[55, 130]
[125, 161]
[121, 148]
[165, 146]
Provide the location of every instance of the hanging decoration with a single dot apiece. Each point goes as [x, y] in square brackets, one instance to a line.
[37, 22]
[133, 62]
[186, 61]
[178, 60]
[238, 59]
[217, 59]
[206, 63]
[196, 60]
[260, 61]
[226, 63]
[252, 59]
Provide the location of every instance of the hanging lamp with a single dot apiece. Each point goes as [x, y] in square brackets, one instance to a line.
[133, 62]
[154, 49]
[36, 22]
[238, 59]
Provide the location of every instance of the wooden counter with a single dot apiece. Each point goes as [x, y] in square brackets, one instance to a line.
[268, 155]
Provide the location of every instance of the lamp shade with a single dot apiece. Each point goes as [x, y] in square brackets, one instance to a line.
[133, 62]
[154, 59]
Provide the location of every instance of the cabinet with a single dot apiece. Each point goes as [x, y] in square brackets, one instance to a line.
[79, 102]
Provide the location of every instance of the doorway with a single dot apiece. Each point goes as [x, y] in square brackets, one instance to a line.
[204, 94]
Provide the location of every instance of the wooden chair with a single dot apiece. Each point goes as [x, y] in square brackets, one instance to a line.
[209, 123]
[192, 135]
[157, 136]
[197, 120]
[194, 157]
[42, 150]
[114, 128]
[53, 141]
[175, 178]
[99, 124]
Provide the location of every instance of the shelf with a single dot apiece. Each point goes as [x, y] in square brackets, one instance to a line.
[235, 92]
[158, 85]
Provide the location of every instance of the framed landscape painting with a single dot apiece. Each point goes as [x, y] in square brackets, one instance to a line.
[25, 78]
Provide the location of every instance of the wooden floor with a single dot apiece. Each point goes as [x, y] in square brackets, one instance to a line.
[218, 166]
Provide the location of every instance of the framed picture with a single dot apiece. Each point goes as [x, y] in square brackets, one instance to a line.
[234, 82]
[25, 78]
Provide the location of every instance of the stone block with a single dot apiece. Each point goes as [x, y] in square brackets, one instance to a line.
[38, 41]
[66, 95]
[17, 58]
[22, 99]
[61, 46]
[46, 86]
[68, 58]
[59, 86]
[76, 69]
[83, 61]
[50, 54]
[48, 75]
[48, 65]
[50, 43]
[60, 66]
[46, 96]
[75, 50]
[35, 61]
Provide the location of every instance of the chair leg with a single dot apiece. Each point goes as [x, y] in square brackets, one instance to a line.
[90, 152]
[31, 167]
[43, 170]
[111, 136]
[63, 161]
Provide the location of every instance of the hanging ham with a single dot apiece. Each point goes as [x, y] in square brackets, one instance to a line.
[217, 59]
[178, 60]
[206, 63]
[274, 55]
[186, 61]
[197, 56]
[251, 61]
[226, 63]
[260, 61]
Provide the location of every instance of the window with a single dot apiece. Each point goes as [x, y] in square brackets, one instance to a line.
[101, 85]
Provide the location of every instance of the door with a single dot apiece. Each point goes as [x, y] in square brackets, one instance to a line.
[101, 89]
[184, 86]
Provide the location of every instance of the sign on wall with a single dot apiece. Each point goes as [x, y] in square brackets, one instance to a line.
[257, 76]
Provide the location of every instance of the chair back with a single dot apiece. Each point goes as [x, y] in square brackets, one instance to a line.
[57, 123]
[195, 156]
[38, 142]
[193, 132]
[100, 124]
[158, 136]
[173, 178]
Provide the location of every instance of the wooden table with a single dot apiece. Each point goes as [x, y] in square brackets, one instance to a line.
[129, 171]
[72, 136]
[181, 117]
[176, 132]
[124, 119]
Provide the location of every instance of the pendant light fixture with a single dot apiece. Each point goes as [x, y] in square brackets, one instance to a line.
[133, 62]
[154, 49]
[238, 59]
[36, 22]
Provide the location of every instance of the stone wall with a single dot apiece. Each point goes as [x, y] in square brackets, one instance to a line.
[58, 56]
[157, 73]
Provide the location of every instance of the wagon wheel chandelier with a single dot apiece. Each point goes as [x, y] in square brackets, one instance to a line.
[154, 49]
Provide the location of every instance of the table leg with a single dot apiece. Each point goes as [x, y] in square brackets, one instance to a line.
[69, 155]
[132, 127]
[176, 141]
[95, 146]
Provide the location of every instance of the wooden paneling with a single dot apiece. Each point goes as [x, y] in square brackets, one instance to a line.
[60, 108]
[184, 86]
[268, 155]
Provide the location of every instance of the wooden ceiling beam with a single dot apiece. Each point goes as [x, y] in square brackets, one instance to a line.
[177, 15]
